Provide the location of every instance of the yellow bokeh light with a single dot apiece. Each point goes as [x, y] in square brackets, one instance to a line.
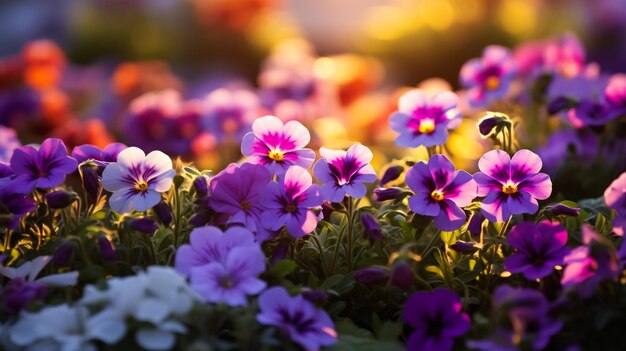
[437, 14]
[386, 23]
[517, 17]
[324, 67]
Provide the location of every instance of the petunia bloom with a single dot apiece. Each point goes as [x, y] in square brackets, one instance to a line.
[511, 185]
[289, 202]
[437, 319]
[276, 145]
[137, 180]
[615, 198]
[297, 318]
[539, 248]
[488, 78]
[440, 191]
[43, 168]
[424, 120]
[101, 156]
[344, 172]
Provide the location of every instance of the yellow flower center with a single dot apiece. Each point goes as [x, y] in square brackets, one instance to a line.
[427, 126]
[492, 83]
[141, 186]
[509, 188]
[437, 195]
[276, 155]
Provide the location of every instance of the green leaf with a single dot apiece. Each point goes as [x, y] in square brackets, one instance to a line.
[282, 268]
[449, 237]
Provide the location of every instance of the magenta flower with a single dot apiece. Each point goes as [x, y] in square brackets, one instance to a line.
[43, 168]
[289, 202]
[488, 78]
[297, 318]
[440, 191]
[511, 185]
[539, 248]
[424, 120]
[615, 198]
[276, 145]
[235, 192]
[344, 172]
[102, 156]
[137, 180]
[437, 319]
[615, 96]
[564, 56]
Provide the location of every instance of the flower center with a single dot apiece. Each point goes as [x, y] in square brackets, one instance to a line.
[276, 155]
[245, 205]
[492, 82]
[290, 208]
[141, 186]
[426, 126]
[509, 188]
[437, 195]
[225, 282]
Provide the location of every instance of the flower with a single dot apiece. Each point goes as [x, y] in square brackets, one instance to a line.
[297, 318]
[13, 205]
[289, 202]
[372, 230]
[43, 168]
[511, 185]
[424, 120]
[228, 113]
[437, 319]
[276, 145]
[235, 191]
[102, 156]
[60, 199]
[145, 225]
[580, 100]
[440, 191]
[137, 180]
[615, 198]
[385, 194]
[562, 210]
[18, 294]
[488, 78]
[8, 143]
[564, 56]
[540, 247]
[344, 172]
[615, 96]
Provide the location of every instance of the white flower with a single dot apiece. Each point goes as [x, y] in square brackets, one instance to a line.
[29, 271]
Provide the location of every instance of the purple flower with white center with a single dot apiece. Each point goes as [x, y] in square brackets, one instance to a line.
[344, 172]
[42, 168]
[590, 264]
[297, 318]
[437, 319]
[278, 146]
[488, 78]
[8, 143]
[615, 198]
[137, 180]
[289, 202]
[511, 185]
[235, 192]
[440, 191]
[102, 156]
[424, 120]
[540, 247]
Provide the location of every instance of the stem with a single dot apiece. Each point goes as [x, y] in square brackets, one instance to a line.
[321, 252]
[350, 214]
[177, 216]
[430, 243]
[336, 252]
[505, 227]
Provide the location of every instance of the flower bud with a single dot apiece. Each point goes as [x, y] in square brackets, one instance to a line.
[91, 182]
[145, 225]
[384, 194]
[493, 122]
[60, 199]
[18, 294]
[63, 254]
[327, 209]
[372, 275]
[475, 225]
[163, 212]
[107, 250]
[315, 296]
[280, 251]
[392, 173]
[563, 210]
[201, 186]
[402, 275]
[463, 247]
[373, 231]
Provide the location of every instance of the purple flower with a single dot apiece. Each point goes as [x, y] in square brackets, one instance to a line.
[615, 198]
[475, 225]
[91, 152]
[373, 231]
[385, 194]
[562, 210]
[580, 143]
[580, 100]
[276, 145]
[488, 78]
[440, 191]
[564, 56]
[511, 185]
[615, 95]
[590, 264]
[60, 199]
[540, 247]
[43, 168]
[18, 294]
[344, 172]
[423, 120]
[137, 180]
[8, 143]
[13, 205]
[107, 249]
[289, 202]
[437, 319]
[145, 225]
[222, 266]
[297, 318]
[391, 173]
[235, 192]
[228, 113]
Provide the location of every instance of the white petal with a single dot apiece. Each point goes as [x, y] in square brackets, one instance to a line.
[152, 310]
[114, 177]
[160, 161]
[130, 157]
[155, 339]
[106, 329]
[62, 279]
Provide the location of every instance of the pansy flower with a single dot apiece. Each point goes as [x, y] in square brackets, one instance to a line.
[615, 198]
[276, 145]
[8, 143]
[615, 96]
[43, 168]
[137, 180]
[437, 319]
[289, 202]
[101, 156]
[580, 100]
[511, 185]
[539, 248]
[488, 78]
[344, 172]
[440, 191]
[424, 120]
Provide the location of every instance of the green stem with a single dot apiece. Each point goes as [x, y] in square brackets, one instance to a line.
[336, 252]
[177, 216]
[320, 249]
[350, 231]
